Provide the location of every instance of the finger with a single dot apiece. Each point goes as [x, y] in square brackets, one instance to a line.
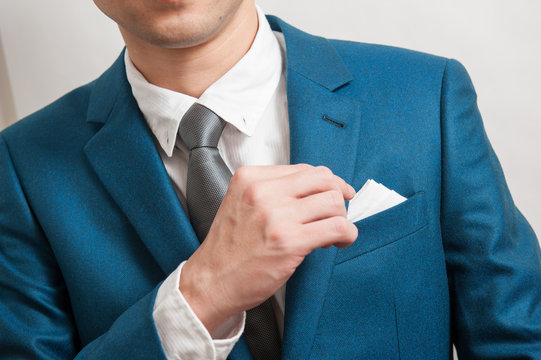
[336, 231]
[247, 176]
[250, 174]
[317, 207]
[311, 181]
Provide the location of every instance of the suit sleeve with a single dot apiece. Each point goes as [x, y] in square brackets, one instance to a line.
[35, 313]
[492, 254]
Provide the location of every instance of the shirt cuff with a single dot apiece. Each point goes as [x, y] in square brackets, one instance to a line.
[182, 334]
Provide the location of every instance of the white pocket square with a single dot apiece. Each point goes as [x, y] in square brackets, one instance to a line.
[371, 199]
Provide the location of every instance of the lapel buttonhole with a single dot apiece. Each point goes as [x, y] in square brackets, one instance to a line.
[334, 122]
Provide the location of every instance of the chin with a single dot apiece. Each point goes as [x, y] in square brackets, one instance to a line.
[174, 39]
[175, 35]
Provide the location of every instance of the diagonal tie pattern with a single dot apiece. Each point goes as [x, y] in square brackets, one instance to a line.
[208, 179]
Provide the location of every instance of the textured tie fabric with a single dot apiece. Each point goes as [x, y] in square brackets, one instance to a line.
[208, 175]
[208, 179]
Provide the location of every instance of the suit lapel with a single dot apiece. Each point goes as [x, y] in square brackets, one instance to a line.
[316, 141]
[324, 130]
[124, 157]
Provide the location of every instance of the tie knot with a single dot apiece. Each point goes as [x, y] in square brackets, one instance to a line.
[200, 127]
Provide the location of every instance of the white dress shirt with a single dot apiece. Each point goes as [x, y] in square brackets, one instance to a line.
[251, 98]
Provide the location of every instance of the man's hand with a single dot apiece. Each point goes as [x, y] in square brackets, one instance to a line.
[270, 218]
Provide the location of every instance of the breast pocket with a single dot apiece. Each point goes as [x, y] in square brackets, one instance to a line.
[387, 227]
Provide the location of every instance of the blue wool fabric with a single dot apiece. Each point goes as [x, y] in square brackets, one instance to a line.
[90, 223]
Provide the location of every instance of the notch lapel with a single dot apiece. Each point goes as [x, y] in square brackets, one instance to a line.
[124, 157]
[324, 130]
[318, 142]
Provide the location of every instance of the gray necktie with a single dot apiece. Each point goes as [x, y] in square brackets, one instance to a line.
[208, 179]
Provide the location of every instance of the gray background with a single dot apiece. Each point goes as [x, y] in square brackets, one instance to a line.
[49, 47]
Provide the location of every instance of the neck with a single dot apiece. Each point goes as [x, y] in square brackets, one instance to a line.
[191, 70]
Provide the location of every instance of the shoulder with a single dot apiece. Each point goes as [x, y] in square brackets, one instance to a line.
[351, 50]
[56, 122]
[390, 64]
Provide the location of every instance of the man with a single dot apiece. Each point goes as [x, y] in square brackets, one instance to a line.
[113, 245]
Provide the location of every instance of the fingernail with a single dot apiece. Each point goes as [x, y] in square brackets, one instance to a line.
[352, 189]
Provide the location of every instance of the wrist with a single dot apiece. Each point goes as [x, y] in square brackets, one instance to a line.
[202, 297]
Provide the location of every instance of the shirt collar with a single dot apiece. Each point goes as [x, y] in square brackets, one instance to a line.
[240, 96]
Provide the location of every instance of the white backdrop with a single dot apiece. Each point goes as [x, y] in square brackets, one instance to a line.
[49, 47]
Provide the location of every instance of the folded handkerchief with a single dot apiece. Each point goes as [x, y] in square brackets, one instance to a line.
[371, 199]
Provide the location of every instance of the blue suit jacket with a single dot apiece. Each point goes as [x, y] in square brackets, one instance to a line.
[90, 224]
